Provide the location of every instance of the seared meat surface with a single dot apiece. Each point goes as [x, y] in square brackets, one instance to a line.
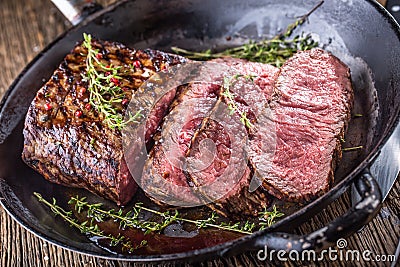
[67, 141]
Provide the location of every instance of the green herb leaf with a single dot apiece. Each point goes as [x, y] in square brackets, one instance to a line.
[87, 227]
[267, 218]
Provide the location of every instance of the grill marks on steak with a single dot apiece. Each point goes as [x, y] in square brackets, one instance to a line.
[83, 151]
[312, 108]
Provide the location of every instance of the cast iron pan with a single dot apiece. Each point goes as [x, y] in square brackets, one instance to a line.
[357, 31]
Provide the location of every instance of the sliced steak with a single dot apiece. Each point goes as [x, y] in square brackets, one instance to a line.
[263, 75]
[227, 175]
[200, 152]
[252, 96]
[68, 142]
[311, 110]
[217, 165]
[163, 177]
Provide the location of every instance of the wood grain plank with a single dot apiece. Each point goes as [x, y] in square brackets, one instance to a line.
[25, 31]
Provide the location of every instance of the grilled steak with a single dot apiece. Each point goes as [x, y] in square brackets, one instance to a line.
[68, 141]
[312, 107]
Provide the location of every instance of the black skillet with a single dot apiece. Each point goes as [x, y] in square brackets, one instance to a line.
[347, 28]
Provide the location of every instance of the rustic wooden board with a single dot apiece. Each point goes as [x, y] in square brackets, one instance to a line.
[25, 28]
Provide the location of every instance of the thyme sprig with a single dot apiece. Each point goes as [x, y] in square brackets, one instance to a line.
[103, 85]
[132, 218]
[346, 149]
[89, 227]
[232, 106]
[300, 21]
[273, 51]
[127, 220]
[268, 218]
[209, 222]
[135, 219]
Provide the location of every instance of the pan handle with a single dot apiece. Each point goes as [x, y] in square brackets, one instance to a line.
[76, 10]
[328, 236]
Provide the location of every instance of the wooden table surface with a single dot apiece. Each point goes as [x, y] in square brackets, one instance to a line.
[26, 27]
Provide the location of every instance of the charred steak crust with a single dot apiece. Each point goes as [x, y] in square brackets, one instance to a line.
[312, 107]
[83, 151]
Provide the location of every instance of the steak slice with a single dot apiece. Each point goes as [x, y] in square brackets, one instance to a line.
[82, 151]
[218, 165]
[263, 76]
[200, 152]
[164, 179]
[312, 107]
[227, 178]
